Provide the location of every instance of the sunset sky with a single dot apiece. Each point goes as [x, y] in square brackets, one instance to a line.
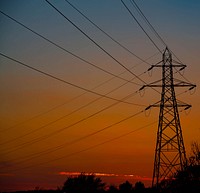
[79, 108]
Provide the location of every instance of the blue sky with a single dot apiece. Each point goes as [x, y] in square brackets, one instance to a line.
[25, 93]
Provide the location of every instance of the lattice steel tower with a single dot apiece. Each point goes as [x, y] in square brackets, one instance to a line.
[170, 153]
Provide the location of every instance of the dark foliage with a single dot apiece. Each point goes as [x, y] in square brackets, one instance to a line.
[125, 187]
[83, 184]
[185, 181]
[112, 189]
[139, 187]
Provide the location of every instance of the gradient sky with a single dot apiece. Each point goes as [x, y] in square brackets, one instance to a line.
[26, 95]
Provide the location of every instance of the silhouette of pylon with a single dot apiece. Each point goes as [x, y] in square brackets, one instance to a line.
[170, 153]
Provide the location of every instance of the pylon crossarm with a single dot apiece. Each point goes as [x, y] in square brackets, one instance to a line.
[174, 61]
[154, 65]
[168, 65]
[170, 105]
[182, 104]
[181, 84]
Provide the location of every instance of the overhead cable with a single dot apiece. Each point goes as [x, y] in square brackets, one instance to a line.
[61, 80]
[156, 33]
[69, 114]
[75, 141]
[141, 26]
[147, 21]
[64, 49]
[44, 137]
[74, 98]
[104, 32]
[100, 47]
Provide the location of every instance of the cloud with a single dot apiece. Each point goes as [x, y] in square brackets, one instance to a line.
[135, 177]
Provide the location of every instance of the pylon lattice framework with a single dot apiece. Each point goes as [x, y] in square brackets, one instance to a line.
[170, 153]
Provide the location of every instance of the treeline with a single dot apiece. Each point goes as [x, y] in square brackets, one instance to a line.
[185, 181]
[91, 184]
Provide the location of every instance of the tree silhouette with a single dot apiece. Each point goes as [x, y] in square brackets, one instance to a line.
[194, 158]
[188, 180]
[139, 187]
[83, 184]
[125, 187]
[112, 189]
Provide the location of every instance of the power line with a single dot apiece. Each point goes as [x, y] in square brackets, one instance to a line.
[146, 32]
[61, 80]
[89, 148]
[62, 129]
[44, 137]
[64, 49]
[104, 32]
[36, 140]
[76, 110]
[60, 105]
[40, 114]
[81, 151]
[140, 26]
[147, 21]
[50, 150]
[93, 41]
[53, 43]
[67, 50]
[156, 33]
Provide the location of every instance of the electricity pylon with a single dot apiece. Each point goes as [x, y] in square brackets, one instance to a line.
[170, 153]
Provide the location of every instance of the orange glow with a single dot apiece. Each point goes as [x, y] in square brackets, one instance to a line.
[47, 126]
[135, 177]
[7, 174]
